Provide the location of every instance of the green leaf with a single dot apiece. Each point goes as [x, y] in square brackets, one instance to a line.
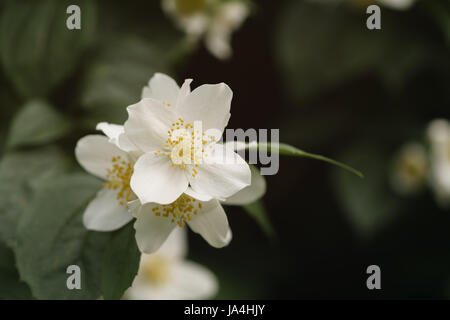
[120, 263]
[51, 237]
[288, 150]
[21, 173]
[38, 50]
[11, 288]
[115, 78]
[257, 211]
[37, 123]
[369, 204]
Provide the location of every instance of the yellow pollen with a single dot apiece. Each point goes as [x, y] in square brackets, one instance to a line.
[119, 179]
[186, 146]
[178, 211]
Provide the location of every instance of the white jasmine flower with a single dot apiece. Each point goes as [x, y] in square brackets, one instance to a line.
[155, 222]
[215, 20]
[410, 169]
[206, 216]
[177, 156]
[166, 275]
[101, 156]
[439, 136]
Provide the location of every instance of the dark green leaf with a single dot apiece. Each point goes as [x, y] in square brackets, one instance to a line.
[116, 78]
[37, 123]
[51, 237]
[11, 288]
[120, 263]
[21, 173]
[38, 50]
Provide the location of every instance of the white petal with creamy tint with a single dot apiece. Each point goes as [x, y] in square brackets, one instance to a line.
[95, 153]
[212, 224]
[112, 131]
[192, 281]
[209, 103]
[105, 213]
[222, 173]
[151, 230]
[134, 206]
[148, 124]
[163, 88]
[251, 193]
[156, 180]
[175, 247]
[199, 196]
[188, 281]
[184, 92]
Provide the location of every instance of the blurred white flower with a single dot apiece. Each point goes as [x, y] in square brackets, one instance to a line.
[103, 157]
[410, 169]
[176, 157]
[439, 137]
[214, 20]
[397, 4]
[393, 4]
[166, 275]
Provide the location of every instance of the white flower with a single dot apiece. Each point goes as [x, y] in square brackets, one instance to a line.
[439, 136]
[102, 157]
[215, 20]
[410, 169]
[178, 156]
[155, 222]
[166, 275]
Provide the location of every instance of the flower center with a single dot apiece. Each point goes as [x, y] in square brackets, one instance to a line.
[157, 269]
[119, 177]
[186, 146]
[179, 211]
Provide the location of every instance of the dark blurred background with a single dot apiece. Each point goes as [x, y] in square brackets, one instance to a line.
[331, 86]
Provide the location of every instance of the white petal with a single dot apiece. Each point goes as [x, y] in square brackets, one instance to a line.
[105, 213]
[156, 180]
[95, 153]
[212, 224]
[112, 131]
[184, 91]
[199, 196]
[222, 173]
[210, 104]
[175, 247]
[188, 281]
[134, 206]
[163, 88]
[193, 281]
[217, 41]
[151, 230]
[148, 124]
[125, 144]
[249, 194]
